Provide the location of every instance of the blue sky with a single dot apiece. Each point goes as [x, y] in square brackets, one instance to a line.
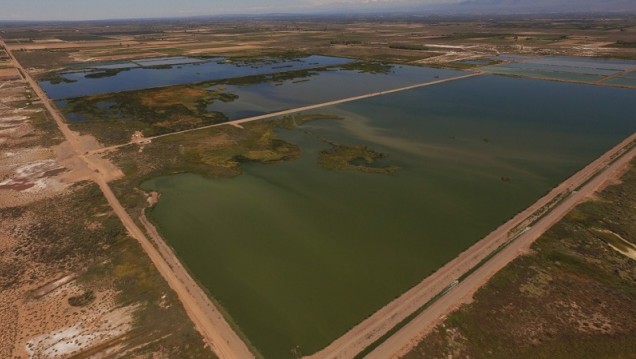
[108, 9]
[111, 9]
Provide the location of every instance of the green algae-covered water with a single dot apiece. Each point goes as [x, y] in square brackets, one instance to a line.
[297, 254]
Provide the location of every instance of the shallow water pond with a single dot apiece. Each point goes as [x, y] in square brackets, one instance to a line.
[298, 254]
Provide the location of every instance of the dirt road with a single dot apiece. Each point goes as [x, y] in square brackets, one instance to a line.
[208, 320]
[378, 324]
[407, 337]
[298, 109]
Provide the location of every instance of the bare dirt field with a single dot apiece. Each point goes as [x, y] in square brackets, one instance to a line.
[29, 169]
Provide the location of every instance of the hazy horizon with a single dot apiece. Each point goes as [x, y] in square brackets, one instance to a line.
[82, 10]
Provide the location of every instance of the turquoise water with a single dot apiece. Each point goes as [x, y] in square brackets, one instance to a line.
[556, 75]
[583, 69]
[560, 68]
[589, 62]
[298, 254]
[569, 61]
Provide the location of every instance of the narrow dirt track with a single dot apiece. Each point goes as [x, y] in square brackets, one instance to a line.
[208, 320]
[373, 328]
[406, 338]
[298, 109]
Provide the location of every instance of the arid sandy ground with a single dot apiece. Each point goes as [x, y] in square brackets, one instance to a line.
[37, 319]
[48, 309]
[28, 168]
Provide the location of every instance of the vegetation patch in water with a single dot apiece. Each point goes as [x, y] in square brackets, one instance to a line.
[105, 73]
[278, 77]
[353, 158]
[55, 78]
[370, 67]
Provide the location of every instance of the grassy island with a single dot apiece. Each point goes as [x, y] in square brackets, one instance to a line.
[353, 158]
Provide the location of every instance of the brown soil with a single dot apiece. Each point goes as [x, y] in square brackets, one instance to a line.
[207, 319]
[37, 319]
[9, 74]
[213, 51]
